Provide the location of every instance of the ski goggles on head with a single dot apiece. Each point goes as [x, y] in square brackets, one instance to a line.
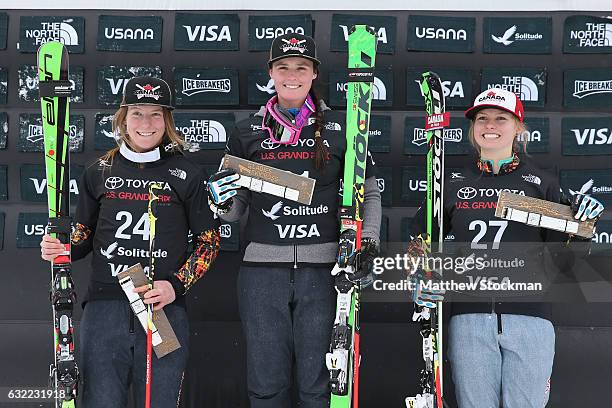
[280, 125]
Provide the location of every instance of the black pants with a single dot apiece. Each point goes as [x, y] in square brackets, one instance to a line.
[287, 313]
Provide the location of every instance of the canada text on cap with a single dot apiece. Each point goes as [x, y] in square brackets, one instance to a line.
[146, 90]
[500, 99]
[293, 45]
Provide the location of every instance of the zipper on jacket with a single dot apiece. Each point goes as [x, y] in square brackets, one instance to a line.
[295, 265]
[131, 321]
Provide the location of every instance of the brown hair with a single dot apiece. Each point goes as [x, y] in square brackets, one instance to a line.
[119, 128]
[518, 146]
[321, 153]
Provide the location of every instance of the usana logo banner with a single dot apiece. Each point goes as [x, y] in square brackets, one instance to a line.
[537, 135]
[30, 229]
[441, 34]
[264, 29]
[129, 33]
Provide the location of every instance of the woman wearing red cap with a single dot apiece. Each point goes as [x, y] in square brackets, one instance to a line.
[501, 341]
[285, 286]
[111, 222]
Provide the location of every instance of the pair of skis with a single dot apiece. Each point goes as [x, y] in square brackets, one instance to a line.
[343, 357]
[430, 316]
[55, 90]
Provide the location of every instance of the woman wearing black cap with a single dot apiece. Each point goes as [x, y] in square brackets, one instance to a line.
[285, 287]
[501, 341]
[111, 222]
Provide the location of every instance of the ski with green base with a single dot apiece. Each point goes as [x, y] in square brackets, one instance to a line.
[430, 315]
[55, 90]
[344, 357]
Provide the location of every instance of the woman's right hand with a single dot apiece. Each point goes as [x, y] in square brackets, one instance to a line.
[51, 247]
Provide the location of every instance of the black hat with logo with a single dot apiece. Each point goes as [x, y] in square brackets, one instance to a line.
[147, 90]
[293, 45]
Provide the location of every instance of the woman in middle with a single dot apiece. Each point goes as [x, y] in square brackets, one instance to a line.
[285, 287]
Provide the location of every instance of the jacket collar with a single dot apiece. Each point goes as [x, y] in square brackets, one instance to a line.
[506, 165]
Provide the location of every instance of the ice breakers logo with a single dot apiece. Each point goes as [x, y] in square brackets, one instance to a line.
[454, 135]
[120, 33]
[433, 33]
[530, 178]
[511, 33]
[35, 133]
[182, 174]
[196, 86]
[62, 32]
[381, 34]
[269, 88]
[379, 90]
[583, 89]
[593, 136]
[208, 33]
[595, 35]
[273, 32]
[520, 85]
[203, 131]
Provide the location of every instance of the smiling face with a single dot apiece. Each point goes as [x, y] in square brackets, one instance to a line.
[293, 78]
[494, 131]
[145, 126]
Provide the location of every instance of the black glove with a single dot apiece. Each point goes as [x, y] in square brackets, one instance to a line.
[365, 262]
[221, 188]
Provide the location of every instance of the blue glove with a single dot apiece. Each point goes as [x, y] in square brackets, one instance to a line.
[221, 188]
[586, 207]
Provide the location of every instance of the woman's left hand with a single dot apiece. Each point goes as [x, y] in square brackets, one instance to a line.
[161, 295]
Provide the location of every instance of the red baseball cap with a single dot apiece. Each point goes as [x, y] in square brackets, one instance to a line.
[500, 99]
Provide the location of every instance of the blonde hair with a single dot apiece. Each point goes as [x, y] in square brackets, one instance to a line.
[518, 146]
[119, 128]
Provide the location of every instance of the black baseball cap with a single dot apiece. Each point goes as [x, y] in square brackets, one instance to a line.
[293, 45]
[145, 90]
